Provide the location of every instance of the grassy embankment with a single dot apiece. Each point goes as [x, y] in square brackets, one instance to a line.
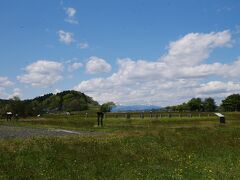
[166, 148]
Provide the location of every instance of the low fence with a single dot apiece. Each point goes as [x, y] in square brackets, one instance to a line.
[156, 115]
[138, 115]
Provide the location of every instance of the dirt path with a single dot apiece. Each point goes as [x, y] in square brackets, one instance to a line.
[10, 132]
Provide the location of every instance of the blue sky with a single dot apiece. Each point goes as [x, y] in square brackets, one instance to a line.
[130, 52]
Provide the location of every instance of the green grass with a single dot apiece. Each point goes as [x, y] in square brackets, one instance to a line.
[176, 148]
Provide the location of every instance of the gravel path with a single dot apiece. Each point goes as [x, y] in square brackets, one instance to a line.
[10, 132]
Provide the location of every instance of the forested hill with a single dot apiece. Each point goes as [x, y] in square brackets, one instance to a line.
[49, 103]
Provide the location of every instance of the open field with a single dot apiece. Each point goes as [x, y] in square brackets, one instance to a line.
[149, 148]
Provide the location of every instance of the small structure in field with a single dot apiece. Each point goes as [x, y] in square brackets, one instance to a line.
[221, 117]
[9, 115]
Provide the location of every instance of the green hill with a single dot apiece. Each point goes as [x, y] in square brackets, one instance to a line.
[49, 103]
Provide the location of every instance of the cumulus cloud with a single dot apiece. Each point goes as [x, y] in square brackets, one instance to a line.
[177, 76]
[194, 48]
[5, 82]
[71, 11]
[215, 87]
[97, 65]
[16, 93]
[74, 66]
[42, 73]
[7, 89]
[71, 18]
[65, 37]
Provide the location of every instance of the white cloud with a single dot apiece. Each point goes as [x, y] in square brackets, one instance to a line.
[71, 12]
[3, 94]
[65, 37]
[179, 75]
[71, 21]
[56, 91]
[42, 73]
[74, 66]
[5, 85]
[215, 87]
[5, 82]
[97, 65]
[218, 89]
[194, 48]
[16, 93]
[83, 45]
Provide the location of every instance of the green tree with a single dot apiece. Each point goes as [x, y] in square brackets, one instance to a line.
[209, 105]
[231, 103]
[107, 107]
[52, 103]
[16, 106]
[182, 107]
[195, 104]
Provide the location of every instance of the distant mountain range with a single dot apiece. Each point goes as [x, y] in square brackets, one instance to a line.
[120, 108]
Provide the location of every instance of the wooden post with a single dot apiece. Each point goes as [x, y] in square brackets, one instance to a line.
[86, 116]
[100, 116]
[151, 115]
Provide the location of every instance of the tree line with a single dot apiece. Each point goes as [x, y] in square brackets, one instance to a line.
[77, 101]
[230, 103]
[49, 103]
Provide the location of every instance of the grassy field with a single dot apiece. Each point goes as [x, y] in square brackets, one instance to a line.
[150, 148]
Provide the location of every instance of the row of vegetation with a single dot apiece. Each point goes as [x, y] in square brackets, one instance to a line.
[69, 101]
[49, 103]
[230, 103]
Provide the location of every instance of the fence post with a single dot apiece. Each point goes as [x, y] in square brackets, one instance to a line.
[151, 115]
[86, 116]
